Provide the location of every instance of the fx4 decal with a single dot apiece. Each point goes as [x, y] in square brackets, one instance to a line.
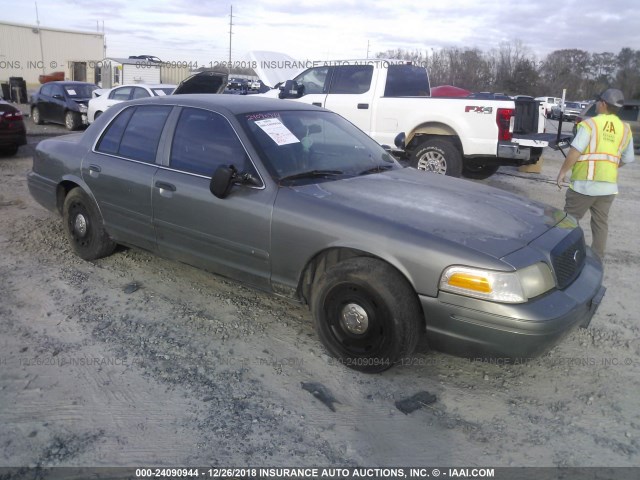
[472, 109]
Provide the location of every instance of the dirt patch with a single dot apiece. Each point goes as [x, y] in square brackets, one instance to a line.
[192, 369]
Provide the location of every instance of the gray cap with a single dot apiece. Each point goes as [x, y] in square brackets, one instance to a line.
[613, 97]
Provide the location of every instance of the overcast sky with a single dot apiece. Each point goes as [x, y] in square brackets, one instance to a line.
[198, 30]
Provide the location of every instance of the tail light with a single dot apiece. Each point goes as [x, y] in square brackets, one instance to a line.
[11, 116]
[505, 119]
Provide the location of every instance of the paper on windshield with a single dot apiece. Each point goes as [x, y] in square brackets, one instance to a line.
[71, 91]
[277, 131]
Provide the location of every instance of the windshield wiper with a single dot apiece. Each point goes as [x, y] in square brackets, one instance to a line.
[376, 169]
[312, 174]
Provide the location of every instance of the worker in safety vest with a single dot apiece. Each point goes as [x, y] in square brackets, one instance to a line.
[602, 144]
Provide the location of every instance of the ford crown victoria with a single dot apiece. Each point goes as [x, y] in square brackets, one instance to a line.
[293, 199]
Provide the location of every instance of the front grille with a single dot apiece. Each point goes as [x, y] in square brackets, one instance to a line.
[568, 258]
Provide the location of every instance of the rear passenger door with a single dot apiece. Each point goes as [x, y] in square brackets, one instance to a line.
[229, 236]
[119, 172]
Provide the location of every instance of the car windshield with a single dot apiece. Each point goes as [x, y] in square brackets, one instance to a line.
[80, 91]
[573, 105]
[313, 146]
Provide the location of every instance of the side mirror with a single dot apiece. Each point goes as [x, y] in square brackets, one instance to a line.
[291, 89]
[399, 140]
[58, 96]
[222, 180]
[226, 176]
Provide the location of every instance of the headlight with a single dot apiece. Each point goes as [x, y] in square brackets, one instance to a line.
[83, 108]
[506, 287]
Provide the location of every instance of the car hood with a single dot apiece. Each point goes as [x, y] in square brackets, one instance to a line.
[203, 82]
[486, 219]
[274, 67]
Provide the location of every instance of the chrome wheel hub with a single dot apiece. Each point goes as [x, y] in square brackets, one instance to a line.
[80, 225]
[354, 319]
[433, 162]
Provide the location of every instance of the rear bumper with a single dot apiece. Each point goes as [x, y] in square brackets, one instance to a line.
[476, 328]
[513, 152]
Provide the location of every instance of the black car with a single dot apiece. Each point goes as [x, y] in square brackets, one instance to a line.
[62, 102]
[238, 84]
[12, 129]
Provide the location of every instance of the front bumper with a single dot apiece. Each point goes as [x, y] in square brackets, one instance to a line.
[476, 328]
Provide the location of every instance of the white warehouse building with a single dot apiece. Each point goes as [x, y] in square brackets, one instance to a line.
[29, 51]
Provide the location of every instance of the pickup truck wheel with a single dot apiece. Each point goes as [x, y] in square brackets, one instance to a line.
[35, 115]
[84, 227]
[71, 120]
[478, 171]
[437, 156]
[366, 314]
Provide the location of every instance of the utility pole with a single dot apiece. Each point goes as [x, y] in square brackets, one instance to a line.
[367, 48]
[40, 37]
[230, 33]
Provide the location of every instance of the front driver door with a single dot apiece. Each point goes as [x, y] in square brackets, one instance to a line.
[229, 236]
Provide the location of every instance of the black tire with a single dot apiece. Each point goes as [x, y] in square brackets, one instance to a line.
[36, 117]
[72, 120]
[478, 170]
[437, 156]
[9, 150]
[371, 289]
[84, 226]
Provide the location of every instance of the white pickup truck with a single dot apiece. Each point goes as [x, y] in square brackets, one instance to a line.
[453, 136]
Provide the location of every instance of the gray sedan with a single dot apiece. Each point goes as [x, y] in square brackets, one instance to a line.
[295, 200]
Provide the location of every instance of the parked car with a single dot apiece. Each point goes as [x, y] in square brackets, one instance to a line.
[296, 200]
[571, 111]
[629, 113]
[62, 102]
[13, 133]
[237, 84]
[548, 104]
[255, 85]
[98, 105]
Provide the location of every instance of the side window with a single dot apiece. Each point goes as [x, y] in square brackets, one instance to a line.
[57, 90]
[135, 133]
[140, 93]
[314, 80]
[203, 141]
[120, 93]
[46, 90]
[351, 79]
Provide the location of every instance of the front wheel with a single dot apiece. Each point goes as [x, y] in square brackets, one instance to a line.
[366, 314]
[36, 117]
[84, 227]
[71, 120]
[437, 156]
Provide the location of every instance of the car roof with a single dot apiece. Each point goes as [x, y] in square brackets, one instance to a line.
[232, 104]
[68, 82]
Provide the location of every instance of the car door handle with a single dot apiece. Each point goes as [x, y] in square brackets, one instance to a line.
[317, 104]
[363, 106]
[166, 186]
[94, 170]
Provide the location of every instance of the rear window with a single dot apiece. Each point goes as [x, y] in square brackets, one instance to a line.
[407, 81]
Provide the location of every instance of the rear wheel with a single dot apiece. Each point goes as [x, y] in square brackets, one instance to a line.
[9, 150]
[366, 314]
[72, 120]
[437, 156]
[478, 170]
[84, 226]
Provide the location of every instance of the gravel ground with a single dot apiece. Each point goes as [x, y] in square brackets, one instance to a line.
[134, 360]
